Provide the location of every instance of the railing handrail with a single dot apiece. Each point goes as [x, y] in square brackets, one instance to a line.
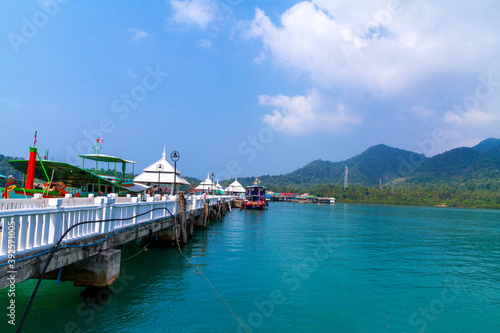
[37, 227]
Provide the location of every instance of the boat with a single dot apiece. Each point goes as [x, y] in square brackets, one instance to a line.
[63, 178]
[255, 196]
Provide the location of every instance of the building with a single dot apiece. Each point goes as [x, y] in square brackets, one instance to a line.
[235, 188]
[161, 173]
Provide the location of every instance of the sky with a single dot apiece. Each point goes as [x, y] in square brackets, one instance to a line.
[246, 88]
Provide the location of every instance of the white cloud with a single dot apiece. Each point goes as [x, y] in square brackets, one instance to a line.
[204, 43]
[479, 118]
[11, 103]
[198, 13]
[378, 46]
[422, 111]
[465, 129]
[137, 34]
[304, 114]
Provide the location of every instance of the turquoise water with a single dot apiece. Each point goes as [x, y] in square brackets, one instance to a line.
[299, 268]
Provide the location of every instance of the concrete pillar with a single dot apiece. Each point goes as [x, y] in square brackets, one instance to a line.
[205, 212]
[182, 217]
[98, 271]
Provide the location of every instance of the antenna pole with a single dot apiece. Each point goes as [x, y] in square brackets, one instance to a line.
[346, 179]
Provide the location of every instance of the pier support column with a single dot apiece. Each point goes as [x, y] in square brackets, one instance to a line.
[98, 271]
[182, 217]
[218, 211]
[205, 212]
[192, 219]
[223, 207]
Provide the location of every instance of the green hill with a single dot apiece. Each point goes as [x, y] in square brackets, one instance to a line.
[366, 169]
[6, 169]
[460, 167]
[476, 168]
[487, 144]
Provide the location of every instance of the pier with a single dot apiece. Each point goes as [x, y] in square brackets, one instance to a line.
[31, 228]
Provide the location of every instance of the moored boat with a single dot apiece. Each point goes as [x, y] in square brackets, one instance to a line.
[255, 196]
[62, 178]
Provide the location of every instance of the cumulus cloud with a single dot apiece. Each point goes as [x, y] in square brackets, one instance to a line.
[382, 47]
[137, 34]
[303, 114]
[204, 43]
[199, 13]
[385, 59]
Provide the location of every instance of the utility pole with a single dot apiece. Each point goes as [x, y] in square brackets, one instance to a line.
[346, 179]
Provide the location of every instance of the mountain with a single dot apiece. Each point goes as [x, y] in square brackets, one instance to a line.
[375, 163]
[487, 144]
[476, 166]
[192, 180]
[6, 169]
[494, 151]
[457, 167]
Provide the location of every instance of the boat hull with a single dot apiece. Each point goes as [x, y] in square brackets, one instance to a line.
[22, 193]
[259, 205]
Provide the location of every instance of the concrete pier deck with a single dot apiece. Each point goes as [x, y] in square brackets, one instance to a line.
[31, 228]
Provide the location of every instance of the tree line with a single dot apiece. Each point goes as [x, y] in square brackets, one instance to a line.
[486, 195]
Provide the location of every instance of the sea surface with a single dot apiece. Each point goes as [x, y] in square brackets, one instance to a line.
[296, 268]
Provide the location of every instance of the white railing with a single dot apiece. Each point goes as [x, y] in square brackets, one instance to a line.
[39, 202]
[39, 223]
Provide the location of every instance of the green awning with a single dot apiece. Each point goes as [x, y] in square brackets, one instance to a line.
[71, 175]
[105, 158]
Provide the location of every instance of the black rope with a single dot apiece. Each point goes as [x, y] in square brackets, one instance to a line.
[55, 248]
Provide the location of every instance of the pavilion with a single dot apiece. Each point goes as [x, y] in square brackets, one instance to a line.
[235, 188]
[161, 172]
[206, 186]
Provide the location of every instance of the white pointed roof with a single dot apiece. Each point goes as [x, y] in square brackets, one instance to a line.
[161, 172]
[207, 184]
[161, 166]
[235, 187]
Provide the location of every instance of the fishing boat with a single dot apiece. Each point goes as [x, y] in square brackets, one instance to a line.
[255, 196]
[63, 178]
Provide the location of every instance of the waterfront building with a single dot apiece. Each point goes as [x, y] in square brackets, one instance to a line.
[161, 173]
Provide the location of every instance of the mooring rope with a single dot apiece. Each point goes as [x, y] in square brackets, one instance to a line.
[215, 289]
[145, 248]
[57, 246]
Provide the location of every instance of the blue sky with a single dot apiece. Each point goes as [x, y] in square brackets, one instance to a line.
[244, 88]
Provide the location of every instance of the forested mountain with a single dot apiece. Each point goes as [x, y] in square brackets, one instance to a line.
[6, 169]
[477, 167]
[487, 144]
[460, 166]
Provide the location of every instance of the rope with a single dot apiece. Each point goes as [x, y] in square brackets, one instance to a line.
[56, 247]
[145, 248]
[50, 182]
[211, 285]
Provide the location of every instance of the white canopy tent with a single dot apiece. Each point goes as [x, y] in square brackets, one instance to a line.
[235, 188]
[160, 172]
[219, 187]
[206, 185]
